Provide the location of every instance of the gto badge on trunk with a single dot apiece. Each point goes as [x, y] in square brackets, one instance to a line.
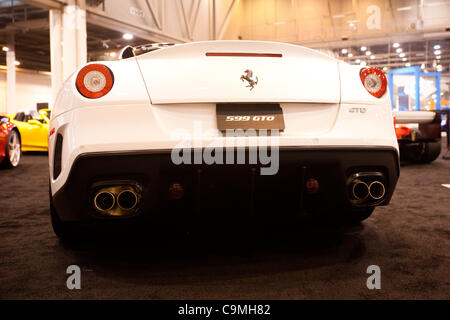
[248, 74]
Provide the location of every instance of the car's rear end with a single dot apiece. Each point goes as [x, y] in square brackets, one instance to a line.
[160, 139]
[419, 135]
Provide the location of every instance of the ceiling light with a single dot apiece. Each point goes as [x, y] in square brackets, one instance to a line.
[385, 68]
[368, 53]
[357, 61]
[399, 50]
[344, 51]
[438, 57]
[127, 36]
[5, 49]
[437, 52]
[372, 57]
[436, 47]
[396, 45]
[422, 66]
[112, 54]
[350, 55]
[363, 64]
[404, 59]
[439, 67]
[17, 63]
[407, 64]
[401, 55]
[363, 48]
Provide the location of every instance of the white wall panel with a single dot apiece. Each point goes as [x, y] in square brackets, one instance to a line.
[31, 88]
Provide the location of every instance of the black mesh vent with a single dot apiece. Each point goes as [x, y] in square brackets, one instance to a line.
[57, 156]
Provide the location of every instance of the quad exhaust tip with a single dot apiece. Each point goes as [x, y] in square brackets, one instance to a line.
[104, 201]
[127, 199]
[121, 198]
[360, 190]
[377, 190]
[367, 187]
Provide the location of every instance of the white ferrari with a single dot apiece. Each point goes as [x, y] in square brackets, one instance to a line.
[221, 128]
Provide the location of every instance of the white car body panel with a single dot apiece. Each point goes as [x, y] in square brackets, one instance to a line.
[353, 92]
[159, 95]
[197, 78]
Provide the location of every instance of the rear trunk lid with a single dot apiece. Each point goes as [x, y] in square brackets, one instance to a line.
[239, 71]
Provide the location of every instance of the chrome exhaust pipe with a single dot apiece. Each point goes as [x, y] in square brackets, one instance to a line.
[127, 199]
[360, 190]
[104, 201]
[377, 190]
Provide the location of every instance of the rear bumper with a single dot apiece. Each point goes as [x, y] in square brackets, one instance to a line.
[225, 189]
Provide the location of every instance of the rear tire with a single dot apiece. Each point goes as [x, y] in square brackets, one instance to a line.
[13, 150]
[431, 151]
[63, 230]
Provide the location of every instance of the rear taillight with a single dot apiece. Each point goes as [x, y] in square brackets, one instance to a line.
[3, 123]
[374, 81]
[94, 81]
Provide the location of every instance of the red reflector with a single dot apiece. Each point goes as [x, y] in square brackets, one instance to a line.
[243, 54]
[374, 81]
[176, 191]
[52, 131]
[312, 185]
[94, 81]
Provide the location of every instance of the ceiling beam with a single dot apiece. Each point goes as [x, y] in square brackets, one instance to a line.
[8, 10]
[26, 25]
[102, 19]
[408, 54]
[45, 4]
[436, 34]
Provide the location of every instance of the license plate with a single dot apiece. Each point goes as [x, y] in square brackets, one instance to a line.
[257, 116]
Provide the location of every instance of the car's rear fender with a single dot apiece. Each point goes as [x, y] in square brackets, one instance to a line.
[128, 89]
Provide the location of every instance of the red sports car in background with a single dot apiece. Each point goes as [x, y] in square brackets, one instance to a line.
[10, 144]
